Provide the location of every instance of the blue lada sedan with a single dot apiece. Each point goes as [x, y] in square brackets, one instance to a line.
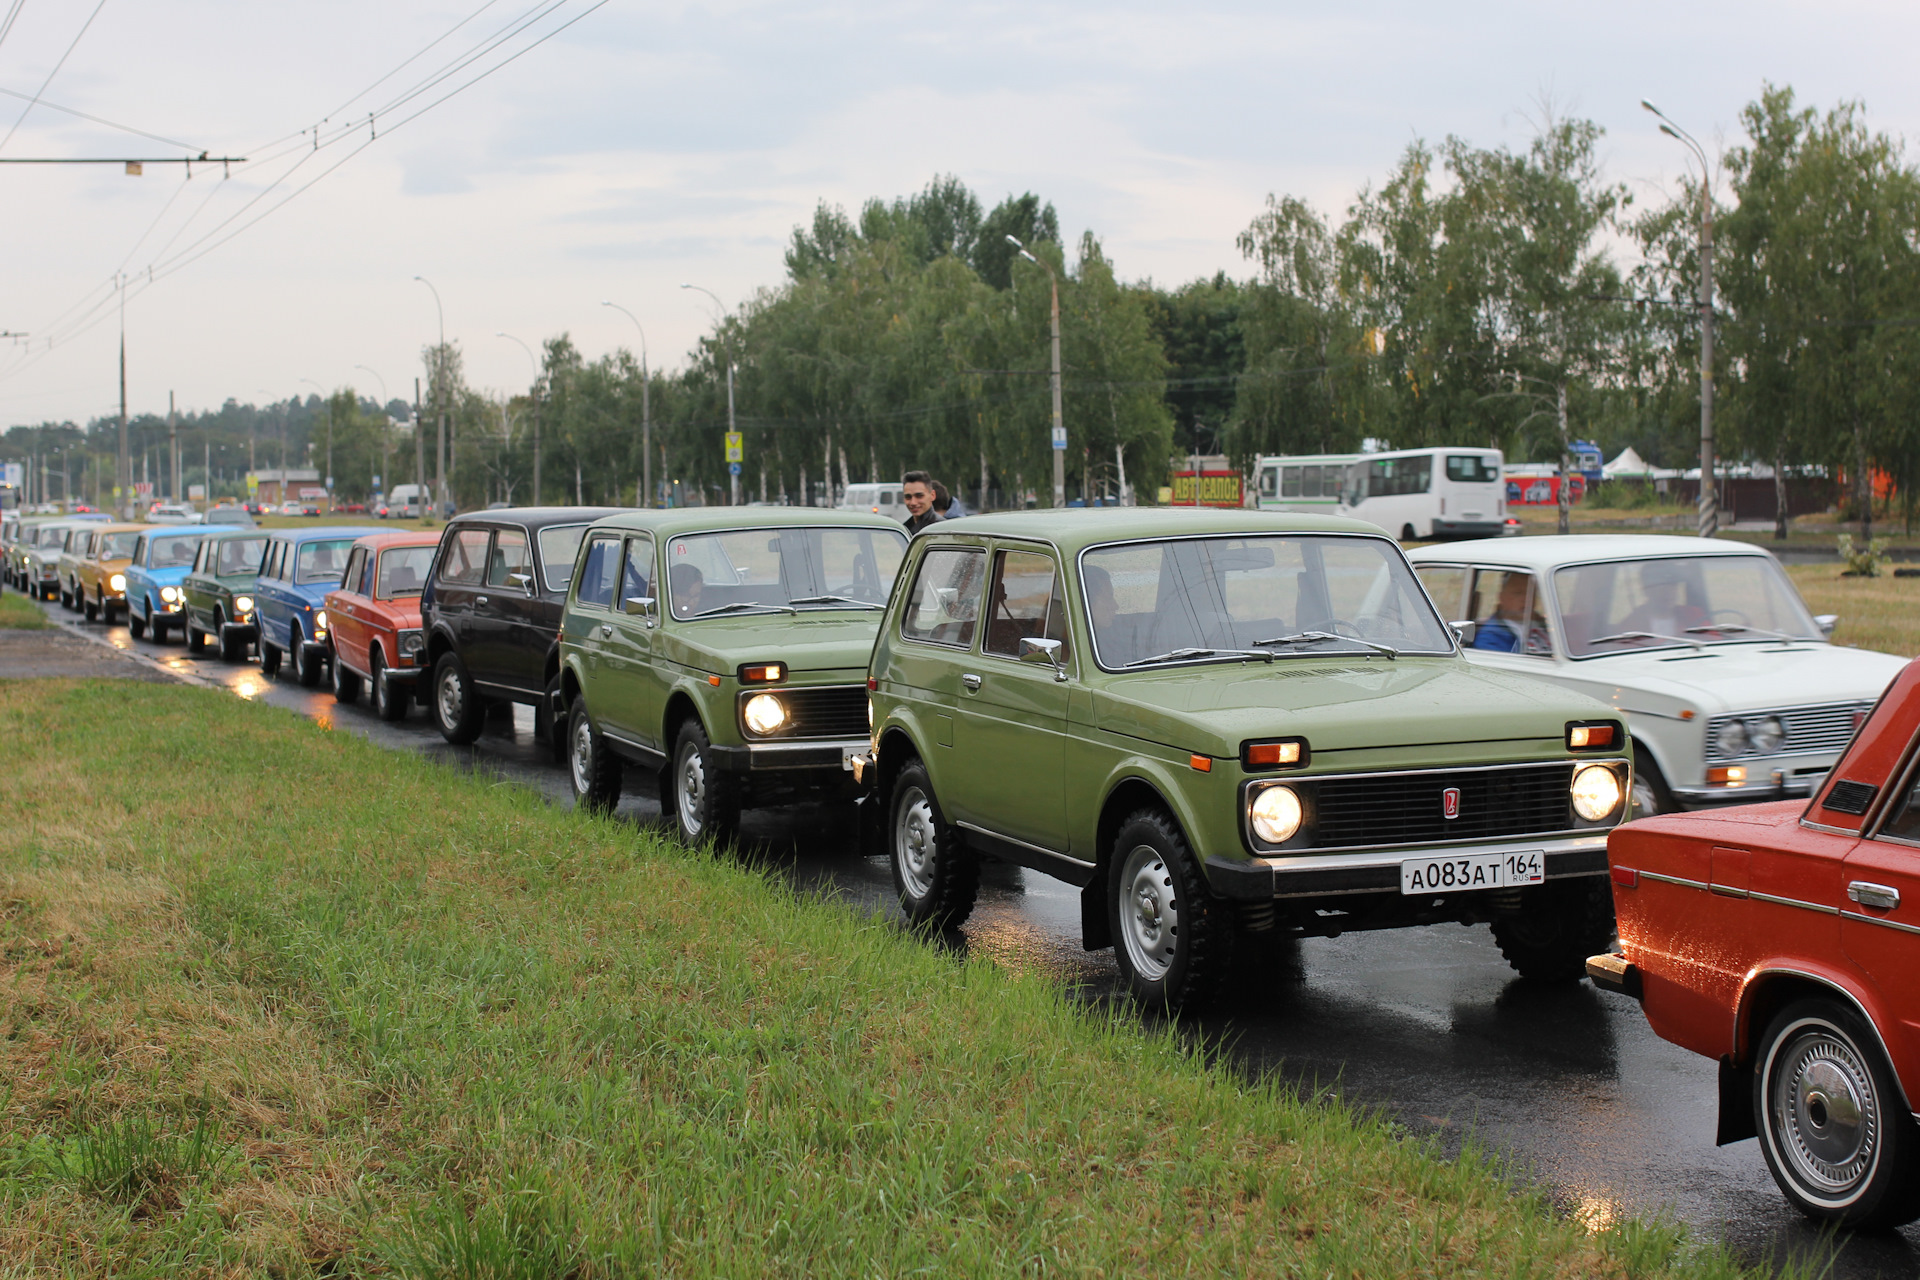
[156, 603]
[300, 567]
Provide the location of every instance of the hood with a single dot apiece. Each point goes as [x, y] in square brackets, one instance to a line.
[1339, 706]
[831, 640]
[1738, 677]
[170, 577]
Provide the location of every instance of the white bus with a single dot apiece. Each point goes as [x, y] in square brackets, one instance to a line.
[879, 499]
[1414, 494]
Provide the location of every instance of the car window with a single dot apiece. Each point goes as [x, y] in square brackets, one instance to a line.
[239, 555]
[171, 551]
[1026, 603]
[944, 605]
[354, 579]
[1903, 819]
[465, 564]
[1471, 468]
[637, 576]
[117, 546]
[510, 556]
[1446, 585]
[321, 561]
[559, 546]
[140, 550]
[1677, 600]
[1510, 615]
[599, 572]
[811, 567]
[403, 571]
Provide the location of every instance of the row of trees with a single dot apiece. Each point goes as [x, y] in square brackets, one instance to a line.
[1508, 297]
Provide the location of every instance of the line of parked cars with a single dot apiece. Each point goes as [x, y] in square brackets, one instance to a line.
[1220, 727]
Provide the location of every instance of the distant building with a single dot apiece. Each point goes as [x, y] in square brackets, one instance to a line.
[276, 486]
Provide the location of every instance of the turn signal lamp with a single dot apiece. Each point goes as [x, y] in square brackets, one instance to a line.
[1287, 753]
[1595, 735]
[1731, 775]
[762, 673]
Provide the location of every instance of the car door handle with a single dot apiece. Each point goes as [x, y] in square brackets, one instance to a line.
[478, 600]
[971, 681]
[1883, 896]
[606, 631]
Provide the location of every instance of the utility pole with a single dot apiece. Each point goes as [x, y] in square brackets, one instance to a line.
[1059, 426]
[123, 472]
[1709, 511]
[732, 468]
[173, 450]
[419, 452]
[439, 398]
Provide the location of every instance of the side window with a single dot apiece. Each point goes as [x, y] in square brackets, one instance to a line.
[1446, 584]
[1290, 482]
[200, 557]
[1269, 482]
[944, 605]
[1903, 820]
[140, 549]
[1507, 607]
[510, 556]
[1026, 603]
[599, 572]
[465, 561]
[276, 551]
[354, 578]
[637, 576]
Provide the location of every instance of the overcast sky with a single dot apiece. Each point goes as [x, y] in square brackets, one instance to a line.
[651, 144]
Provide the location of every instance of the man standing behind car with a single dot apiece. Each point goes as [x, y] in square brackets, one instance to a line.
[916, 490]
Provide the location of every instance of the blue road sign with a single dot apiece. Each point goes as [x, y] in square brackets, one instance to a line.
[733, 468]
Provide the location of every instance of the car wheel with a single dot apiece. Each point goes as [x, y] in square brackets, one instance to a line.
[705, 802]
[385, 705]
[346, 684]
[196, 639]
[556, 722]
[591, 765]
[1649, 794]
[1558, 925]
[269, 658]
[1832, 1126]
[233, 648]
[936, 874]
[1173, 941]
[1407, 534]
[457, 709]
[136, 625]
[88, 609]
[308, 665]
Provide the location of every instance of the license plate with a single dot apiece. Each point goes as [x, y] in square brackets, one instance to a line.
[1473, 871]
[846, 757]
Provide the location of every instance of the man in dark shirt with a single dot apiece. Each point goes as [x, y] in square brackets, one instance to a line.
[916, 490]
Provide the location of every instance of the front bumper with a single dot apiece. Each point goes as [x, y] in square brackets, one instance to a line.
[1469, 528]
[1341, 874]
[240, 630]
[835, 755]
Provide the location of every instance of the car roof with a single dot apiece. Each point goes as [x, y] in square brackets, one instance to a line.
[667, 522]
[1555, 550]
[324, 531]
[125, 528]
[1076, 528]
[399, 538]
[534, 518]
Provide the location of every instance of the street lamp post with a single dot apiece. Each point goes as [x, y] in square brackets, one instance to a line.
[1059, 427]
[440, 403]
[646, 408]
[326, 401]
[735, 477]
[1709, 501]
[386, 437]
[534, 393]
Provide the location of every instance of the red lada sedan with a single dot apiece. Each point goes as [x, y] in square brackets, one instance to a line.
[1784, 940]
[374, 620]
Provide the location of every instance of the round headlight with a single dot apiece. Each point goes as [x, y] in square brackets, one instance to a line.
[320, 619]
[1769, 735]
[1733, 738]
[243, 604]
[1596, 792]
[118, 582]
[169, 594]
[765, 713]
[1275, 814]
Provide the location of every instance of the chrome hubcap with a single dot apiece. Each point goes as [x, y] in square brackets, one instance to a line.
[693, 791]
[915, 843]
[1149, 913]
[380, 685]
[581, 757]
[450, 700]
[1824, 1112]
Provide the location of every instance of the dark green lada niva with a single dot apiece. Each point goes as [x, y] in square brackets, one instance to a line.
[724, 651]
[1224, 726]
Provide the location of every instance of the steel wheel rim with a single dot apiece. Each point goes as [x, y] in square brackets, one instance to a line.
[379, 684]
[1149, 913]
[451, 703]
[916, 848]
[580, 758]
[1641, 794]
[1824, 1112]
[691, 794]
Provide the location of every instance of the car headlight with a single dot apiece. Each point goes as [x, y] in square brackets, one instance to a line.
[1768, 735]
[1734, 739]
[118, 582]
[411, 644]
[320, 619]
[1275, 814]
[169, 594]
[765, 713]
[1596, 792]
[243, 604]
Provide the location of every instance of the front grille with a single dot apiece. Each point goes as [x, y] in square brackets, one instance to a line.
[832, 711]
[1409, 808]
[1809, 729]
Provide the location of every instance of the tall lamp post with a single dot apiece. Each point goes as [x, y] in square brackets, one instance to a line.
[646, 407]
[386, 437]
[1709, 501]
[440, 403]
[327, 401]
[730, 427]
[1059, 427]
[534, 393]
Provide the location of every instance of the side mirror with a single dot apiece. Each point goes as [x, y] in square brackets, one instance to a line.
[1037, 650]
[1465, 631]
[639, 606]
[1826, 622]
[524, 581]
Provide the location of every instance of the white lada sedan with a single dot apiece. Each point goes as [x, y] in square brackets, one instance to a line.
[1728, 685]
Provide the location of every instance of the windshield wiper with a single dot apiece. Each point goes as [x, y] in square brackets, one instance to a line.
[846, 600]
[1732, 627]
[1624, 636]
[1181, 655]
[743, 604]
[1308, 637]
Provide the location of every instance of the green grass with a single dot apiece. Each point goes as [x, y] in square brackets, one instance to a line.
[273, 1001]
[1875, 613]
[17, 613]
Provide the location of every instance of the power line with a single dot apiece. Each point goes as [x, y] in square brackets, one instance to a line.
[51, 74]
[54, 106]
[13, 14]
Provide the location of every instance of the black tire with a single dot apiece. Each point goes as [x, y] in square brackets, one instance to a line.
[1172, 939]
[269, 658]
[388, 705]
[346, 684]
[233, 648]
[935, 872]
[136, 625]
[458, 711]
[705, 800]
[554, 717]
[1559, 924]
[1833, 1128]
[1407, 534]
[1649, 794]
[88, 609]
[592, 767]
[308, 665]
[196, 639]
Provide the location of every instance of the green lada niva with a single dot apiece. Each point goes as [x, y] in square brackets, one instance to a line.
[724, 651]
[1224, 727]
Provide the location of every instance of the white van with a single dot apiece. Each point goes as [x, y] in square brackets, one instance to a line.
[403, 503]
[879, 499]
[1428, 493]
[1309, 484]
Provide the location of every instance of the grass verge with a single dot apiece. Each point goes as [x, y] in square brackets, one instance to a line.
[17, 613]
[1875, 613]
[275, 1001]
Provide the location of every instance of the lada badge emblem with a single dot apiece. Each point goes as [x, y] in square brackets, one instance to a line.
[1450, 802]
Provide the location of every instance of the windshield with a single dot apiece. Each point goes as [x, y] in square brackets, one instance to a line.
[1195, 598]
[403, 571]
[1677, 600]
[322, 561]
[1472, 468]
[52, 536]
[810, 568]
[239, 555]
[173, 551]
[117, 546]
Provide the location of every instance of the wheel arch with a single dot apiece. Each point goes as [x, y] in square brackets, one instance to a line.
[681, 706]
[1769, 990]
[440, 643]
[896, 748]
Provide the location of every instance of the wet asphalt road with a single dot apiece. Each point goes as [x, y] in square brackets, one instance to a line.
[1428, 1024]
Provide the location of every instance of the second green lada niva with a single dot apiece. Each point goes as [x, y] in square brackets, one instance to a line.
[1223, 727]
[723, 650]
